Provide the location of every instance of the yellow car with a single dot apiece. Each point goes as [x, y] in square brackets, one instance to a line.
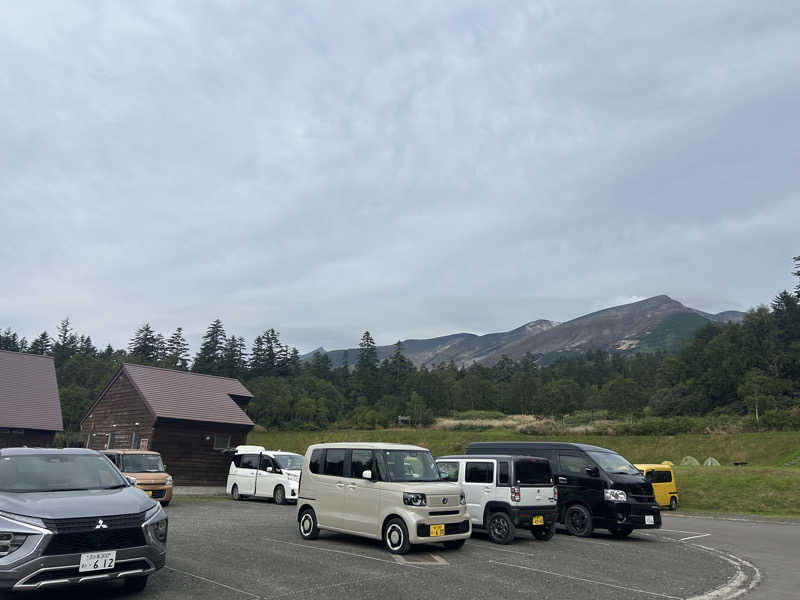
[662, 477]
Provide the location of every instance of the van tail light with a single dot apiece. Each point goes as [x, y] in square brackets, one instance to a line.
[555, 494]
[299, 481]
[515, 494]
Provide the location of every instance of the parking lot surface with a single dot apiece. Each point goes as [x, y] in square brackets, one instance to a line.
[248, 550]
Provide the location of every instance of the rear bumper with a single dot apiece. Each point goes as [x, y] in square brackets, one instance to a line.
[53, 571]
[523, 516]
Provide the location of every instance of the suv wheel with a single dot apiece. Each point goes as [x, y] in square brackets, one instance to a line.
[673, 503]
[578, 520]
[308, 524]
[544, 533]
[500, 528]
[135, 584]
[620, 532]
[235, 492]
[279, 495]
[395, 537]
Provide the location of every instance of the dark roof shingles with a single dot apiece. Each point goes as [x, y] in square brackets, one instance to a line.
[190, 396]
[29, 392]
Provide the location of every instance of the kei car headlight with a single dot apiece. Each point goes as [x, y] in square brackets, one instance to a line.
[169, 480]
[414, 499]
[615, 496]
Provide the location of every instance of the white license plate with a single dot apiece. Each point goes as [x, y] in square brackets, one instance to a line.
[97, 561]
[649, 520]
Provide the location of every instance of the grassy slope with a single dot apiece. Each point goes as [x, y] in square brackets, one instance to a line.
[760, 488]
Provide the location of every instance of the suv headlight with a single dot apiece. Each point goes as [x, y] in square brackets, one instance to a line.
[169, 480]
[615, 496]
[159, 530]
[156, 524]
[462, 499]
[10, 542]
[414, 499]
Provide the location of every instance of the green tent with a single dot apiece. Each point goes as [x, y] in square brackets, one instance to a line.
[711, 462]
[690, 461]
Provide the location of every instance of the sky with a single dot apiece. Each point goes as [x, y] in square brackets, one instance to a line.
[409, 168]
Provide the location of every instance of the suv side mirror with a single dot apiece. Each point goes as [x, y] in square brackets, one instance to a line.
[592, 471]
[367, 475]
[269, 469]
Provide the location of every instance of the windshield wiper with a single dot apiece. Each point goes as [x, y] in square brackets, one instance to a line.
[66, 490]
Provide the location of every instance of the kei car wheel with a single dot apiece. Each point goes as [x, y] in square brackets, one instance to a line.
[673, 503]
[307, 524]
[395, 537]
[543, 533]
[578, 520]
[235, 492]
[279, 495]
[500, 528]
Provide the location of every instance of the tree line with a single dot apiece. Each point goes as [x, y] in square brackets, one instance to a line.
[743, 368]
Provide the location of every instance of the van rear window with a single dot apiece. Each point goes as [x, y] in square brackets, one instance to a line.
[313, 463]
[532, 472]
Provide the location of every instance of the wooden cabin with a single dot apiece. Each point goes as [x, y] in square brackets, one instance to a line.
[30, 411]
[188, 417]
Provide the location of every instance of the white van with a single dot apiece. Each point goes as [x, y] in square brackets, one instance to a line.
[505, 492]
[390, 492]
[260, 473]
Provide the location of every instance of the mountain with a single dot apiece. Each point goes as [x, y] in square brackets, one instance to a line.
[652, 324]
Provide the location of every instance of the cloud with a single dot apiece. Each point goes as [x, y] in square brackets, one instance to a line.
[409, 168]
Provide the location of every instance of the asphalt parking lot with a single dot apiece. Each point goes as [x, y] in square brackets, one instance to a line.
[248, 550]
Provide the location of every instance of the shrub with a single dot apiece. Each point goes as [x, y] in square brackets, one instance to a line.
[468, 415]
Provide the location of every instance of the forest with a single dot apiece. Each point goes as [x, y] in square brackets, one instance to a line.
[749, 368]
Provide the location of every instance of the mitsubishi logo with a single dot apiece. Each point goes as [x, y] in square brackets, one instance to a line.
[101, 525]
[444, 500]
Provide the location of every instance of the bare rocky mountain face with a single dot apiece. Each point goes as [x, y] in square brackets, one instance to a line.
[655, 323]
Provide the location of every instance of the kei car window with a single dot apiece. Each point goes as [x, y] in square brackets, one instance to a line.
[360, 461]
[659, 476]
[142, 463]
[313, 462]
[408, 465]
[449, 470]
[334, 462]
[58, 472]
[503, 478]
[479, 472]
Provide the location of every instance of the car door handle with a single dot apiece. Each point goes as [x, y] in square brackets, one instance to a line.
[340, 485]
[562, 480]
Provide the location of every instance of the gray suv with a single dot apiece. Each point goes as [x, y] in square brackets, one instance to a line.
[69, 517]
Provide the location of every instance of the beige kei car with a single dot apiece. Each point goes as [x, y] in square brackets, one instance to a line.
[390, 492]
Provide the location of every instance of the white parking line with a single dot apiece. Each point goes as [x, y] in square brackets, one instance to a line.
[312, 547]
[694, 537]
[437, 560]
[591, 581]
[217, 583]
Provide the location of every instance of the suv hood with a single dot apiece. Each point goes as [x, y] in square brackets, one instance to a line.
[79, 503]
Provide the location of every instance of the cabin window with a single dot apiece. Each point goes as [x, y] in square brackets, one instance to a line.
[222, 441]
[134, 440]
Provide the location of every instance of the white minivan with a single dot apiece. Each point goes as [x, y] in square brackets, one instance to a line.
[260, 473]
[504, 492]
[389, 492]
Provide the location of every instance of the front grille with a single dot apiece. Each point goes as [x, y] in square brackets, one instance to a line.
[424, 530]
[159, 493]
[90, 523]
[91, 541]
[643, 499]
[136, 565]
[442, 513]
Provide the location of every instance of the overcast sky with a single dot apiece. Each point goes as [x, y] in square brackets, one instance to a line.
[415, 169]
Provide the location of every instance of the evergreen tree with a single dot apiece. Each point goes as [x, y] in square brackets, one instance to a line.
[66, 344]
[367, 368]
[85, 346]
[177, 351]
[294, 362]
[320, 366]
[42, 344]
[209, 359]
[234, 357]
[146, 345]
[9, 340]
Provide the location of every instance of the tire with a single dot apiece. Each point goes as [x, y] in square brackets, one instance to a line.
[307, 524]
[578, 521]
[165, 504]
[454, 544]
[500, 528]
[135, 584]
[543, 533]
[279, 495]
[395, 537]
[235, 493]
[673, 503]
[620, 532]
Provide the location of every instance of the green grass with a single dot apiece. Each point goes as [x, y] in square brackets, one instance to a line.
[763, 487]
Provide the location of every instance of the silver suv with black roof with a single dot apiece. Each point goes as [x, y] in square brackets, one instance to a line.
[69, 517]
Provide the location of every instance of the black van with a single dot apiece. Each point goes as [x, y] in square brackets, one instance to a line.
[597, 488]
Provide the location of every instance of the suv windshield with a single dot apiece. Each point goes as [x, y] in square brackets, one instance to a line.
[613, 463]
[408, 465]
[58, 472]
[142, 463]
[290, 462]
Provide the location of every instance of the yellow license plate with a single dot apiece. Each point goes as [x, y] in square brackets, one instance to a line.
[538, 520]
[437, 530]
[148, 492]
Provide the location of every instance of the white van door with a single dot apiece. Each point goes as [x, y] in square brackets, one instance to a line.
[478, 487]
[246, 474]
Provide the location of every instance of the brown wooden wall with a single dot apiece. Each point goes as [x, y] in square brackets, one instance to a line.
[33, 438]
[190, 457]
[120, 405]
